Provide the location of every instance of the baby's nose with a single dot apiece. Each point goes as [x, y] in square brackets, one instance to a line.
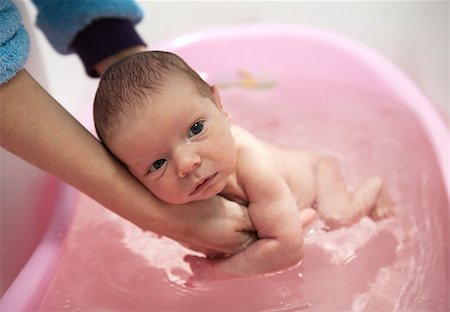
[187, 163]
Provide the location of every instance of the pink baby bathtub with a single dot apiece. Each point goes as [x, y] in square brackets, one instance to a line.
[295, 87]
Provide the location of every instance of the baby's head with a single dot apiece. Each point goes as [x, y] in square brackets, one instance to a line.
[167, 125]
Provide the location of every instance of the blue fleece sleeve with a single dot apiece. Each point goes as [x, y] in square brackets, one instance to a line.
[14, 41]
[61, 20]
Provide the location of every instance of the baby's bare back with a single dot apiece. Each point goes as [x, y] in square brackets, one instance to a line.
[315, 182]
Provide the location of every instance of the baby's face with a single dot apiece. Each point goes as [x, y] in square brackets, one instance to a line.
[179, 146]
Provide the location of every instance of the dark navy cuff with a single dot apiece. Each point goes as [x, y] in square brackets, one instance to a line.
[103, 38]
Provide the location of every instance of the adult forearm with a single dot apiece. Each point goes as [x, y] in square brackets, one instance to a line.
[39, 130]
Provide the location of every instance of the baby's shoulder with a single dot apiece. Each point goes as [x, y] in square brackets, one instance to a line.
[245, 140]
[252, 152]
[240, 133]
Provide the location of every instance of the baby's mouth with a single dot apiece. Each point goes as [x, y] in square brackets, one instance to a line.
[203, 184]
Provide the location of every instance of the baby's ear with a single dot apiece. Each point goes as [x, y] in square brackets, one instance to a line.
[218, 101]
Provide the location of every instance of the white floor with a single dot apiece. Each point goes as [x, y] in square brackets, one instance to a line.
[413, 34]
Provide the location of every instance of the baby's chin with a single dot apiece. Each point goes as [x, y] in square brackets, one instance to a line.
[191, 199]
[176, 201]
[186, 200]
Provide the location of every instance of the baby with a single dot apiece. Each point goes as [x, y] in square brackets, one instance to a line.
[170, 129]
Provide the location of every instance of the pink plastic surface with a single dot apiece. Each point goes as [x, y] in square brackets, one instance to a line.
[310, 88]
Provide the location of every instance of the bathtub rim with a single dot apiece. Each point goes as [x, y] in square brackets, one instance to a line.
[28, 288]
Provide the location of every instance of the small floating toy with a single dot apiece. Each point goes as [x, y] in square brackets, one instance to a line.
[247, 80]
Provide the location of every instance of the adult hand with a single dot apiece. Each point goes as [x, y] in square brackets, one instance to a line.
[215, 227]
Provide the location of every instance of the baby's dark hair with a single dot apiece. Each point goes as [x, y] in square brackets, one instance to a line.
[126, 84]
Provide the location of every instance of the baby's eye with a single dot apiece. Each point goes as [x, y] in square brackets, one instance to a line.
[157, 164]
[195, 129]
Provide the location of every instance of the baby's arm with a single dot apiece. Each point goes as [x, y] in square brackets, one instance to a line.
[274, 214]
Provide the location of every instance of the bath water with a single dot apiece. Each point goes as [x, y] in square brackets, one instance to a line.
[397, 264]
